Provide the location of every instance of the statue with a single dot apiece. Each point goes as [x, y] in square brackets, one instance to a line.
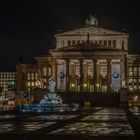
[51, 85]
[91, 21]
[123, 82]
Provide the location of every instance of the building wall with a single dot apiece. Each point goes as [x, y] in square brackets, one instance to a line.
[36, 76]
[5, 78]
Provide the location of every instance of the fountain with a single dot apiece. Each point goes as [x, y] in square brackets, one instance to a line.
[52, 102]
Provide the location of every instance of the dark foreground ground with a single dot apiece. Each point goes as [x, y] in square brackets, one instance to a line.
[95, 124]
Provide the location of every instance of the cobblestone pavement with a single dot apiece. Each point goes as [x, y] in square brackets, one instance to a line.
[96, 123]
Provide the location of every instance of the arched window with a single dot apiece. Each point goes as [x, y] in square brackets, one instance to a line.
[123, 45]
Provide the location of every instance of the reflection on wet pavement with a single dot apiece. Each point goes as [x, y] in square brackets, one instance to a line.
[111, 111]
[105, 118]
[7, 116]
[104, 127]
[52, 117]
[22, 127]
[96, 129]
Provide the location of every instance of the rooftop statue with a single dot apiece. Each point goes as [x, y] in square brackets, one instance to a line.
[91, 20]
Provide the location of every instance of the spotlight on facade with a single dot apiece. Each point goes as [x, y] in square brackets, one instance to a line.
[97, 85]
[72, 85]
[85, 85]
[135, 98]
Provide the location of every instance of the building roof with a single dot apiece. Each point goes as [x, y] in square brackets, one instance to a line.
[86, 46]
[92, 30]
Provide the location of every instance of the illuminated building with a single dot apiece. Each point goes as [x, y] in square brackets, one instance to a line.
[7, 80]
[86, 59]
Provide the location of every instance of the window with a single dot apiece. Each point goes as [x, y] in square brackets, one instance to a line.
[73, 42]
[103, 70]
[135, 71]
[49, 71]
[28, 76]
[78, 41]
[32, 83]
[130, 88]
[62, 43]
[109, 43]
[100, 42]
[130, 73]
[69, 43]
[135, 81]
[36, 76]
[44, 71]
[138, 71]
[130, 81]
[105, 42]
[123, 45]
[28, 84]
[135, 87]
[114, 43]
[33, 77]
[96, 41]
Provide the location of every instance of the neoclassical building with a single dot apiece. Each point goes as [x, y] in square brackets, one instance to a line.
[87, 59]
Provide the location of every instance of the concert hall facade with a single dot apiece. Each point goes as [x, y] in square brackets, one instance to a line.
[87, 59]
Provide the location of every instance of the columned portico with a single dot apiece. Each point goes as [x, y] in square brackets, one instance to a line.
[95, 74]
[81, 74]
[67, 74]
[89, 75]
[109, 74]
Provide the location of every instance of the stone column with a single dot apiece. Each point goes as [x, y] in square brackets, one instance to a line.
[67, 74]
[109, 74]
[81, 75]
[122, 67]
[55, 79]
[95, 74]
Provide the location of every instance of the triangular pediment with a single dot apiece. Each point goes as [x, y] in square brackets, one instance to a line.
[91, 30]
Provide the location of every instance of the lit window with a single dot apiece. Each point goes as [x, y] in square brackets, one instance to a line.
[135, 71]
[36, 76]
[130, 71]
[139, 71]
[130, 88]
[44, 71]
[130, 80]
[32, 83]
[49, 71]
[28, 76]
[28, 84]
[135, 87]
[33, 76]
[135, 80]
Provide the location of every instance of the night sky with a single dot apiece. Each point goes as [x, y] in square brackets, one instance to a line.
[27, 27]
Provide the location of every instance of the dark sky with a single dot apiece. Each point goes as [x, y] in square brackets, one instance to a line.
[27, 27]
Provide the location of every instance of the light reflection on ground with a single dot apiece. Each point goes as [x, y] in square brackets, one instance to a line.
[36, 125]
[96, 129]
[7, 116]
[105, 118]
[111, 111]
[111, 122]
[52, 117]
[21, 127]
